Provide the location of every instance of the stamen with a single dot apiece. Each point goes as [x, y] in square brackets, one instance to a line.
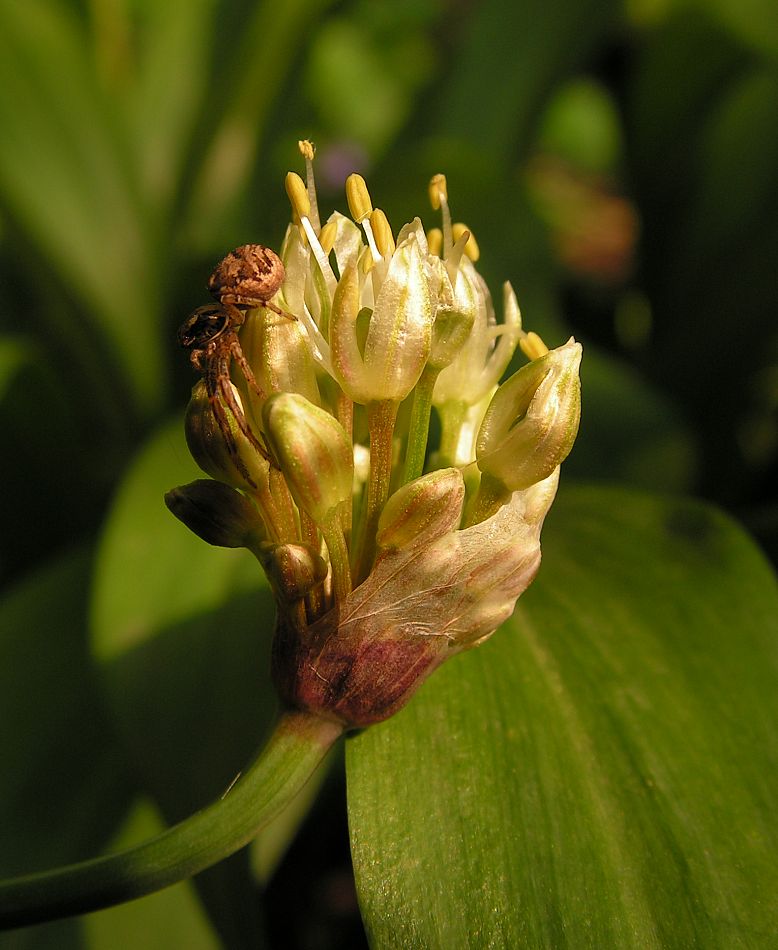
[327, 236]
[308, 150]
[361, 207]
[301, 206]
[371, 242]
[382, 232]
[471, 246]
[320, 349]
[322, 256]
[298, 195]
[532, 346]
[358, 198]
[438, 192]
[367, 261]
[435, 241]
[454, 255]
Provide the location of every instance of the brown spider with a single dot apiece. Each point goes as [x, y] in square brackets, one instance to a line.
[246, 278]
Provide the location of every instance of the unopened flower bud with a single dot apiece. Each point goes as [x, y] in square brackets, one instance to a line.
[422, 510]
[279, 350]
[292, 569]
[312, 450]
[218, 514]
[228, 456]
[532, 420]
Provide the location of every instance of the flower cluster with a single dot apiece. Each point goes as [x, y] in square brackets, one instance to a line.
[386, 553]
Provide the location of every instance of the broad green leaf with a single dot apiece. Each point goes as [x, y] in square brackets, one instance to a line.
[63, 785]
[604, 771]
[182, 632]
[66, 182]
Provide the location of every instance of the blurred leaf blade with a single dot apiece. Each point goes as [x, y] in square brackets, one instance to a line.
[752, 22]
[517, 52]
[48, 512]
[173, 72]
[602, 772]
[43, 655]
[259, 67]
[81, 212]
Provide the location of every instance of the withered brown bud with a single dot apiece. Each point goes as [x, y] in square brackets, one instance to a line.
[247, 277]
[217, 513]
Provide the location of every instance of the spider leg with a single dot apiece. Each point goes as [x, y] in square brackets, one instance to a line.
[278, 310]
[220, 414]
[237, 354]
[223, 388]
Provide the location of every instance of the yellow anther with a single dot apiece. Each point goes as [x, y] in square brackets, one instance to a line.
[435, 240]
[366, 261]
[298, 195]
[532, 346]
[382, 232]
[327, 236]
[438, 190]
[471, 248]
[358, 197]
[307, 149]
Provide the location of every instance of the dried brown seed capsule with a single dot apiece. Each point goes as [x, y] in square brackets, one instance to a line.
[247, 277]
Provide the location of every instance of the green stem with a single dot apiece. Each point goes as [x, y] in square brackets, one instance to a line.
[344, 413]
[332, 529]
[452, 417]
[297, 746]
[418, 429]
[381, 417]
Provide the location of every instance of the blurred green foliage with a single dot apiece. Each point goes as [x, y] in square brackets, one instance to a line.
[617, 162]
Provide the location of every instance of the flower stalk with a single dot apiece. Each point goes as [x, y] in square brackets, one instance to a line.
[292, 754]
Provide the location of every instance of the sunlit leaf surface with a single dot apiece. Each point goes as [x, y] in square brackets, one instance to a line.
[602, 773]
